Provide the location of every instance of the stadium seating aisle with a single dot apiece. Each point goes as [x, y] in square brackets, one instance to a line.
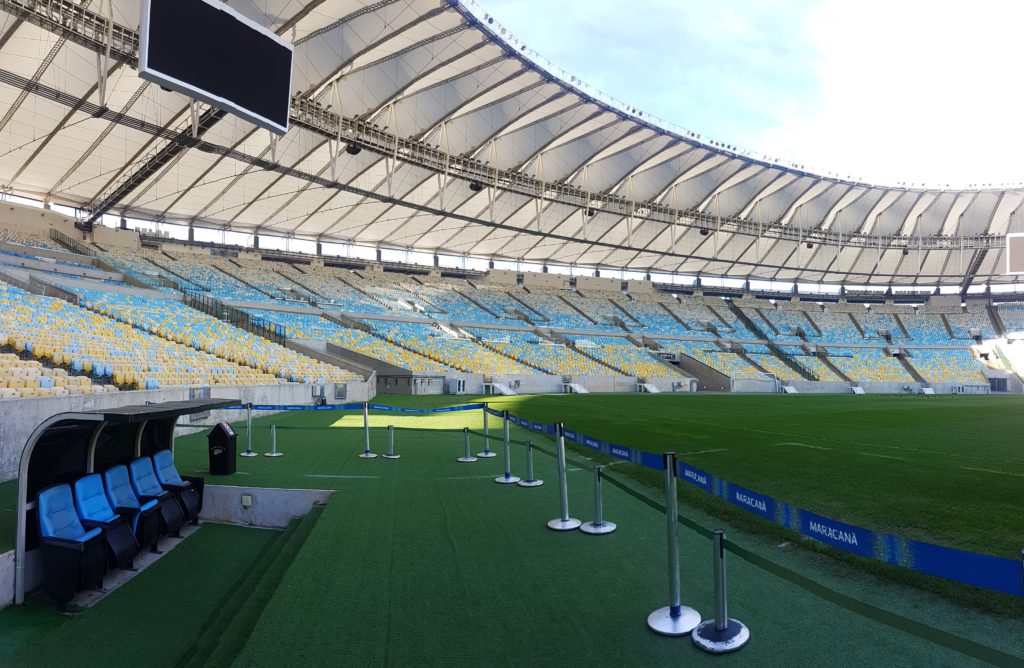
[312, 327]
[458, 353]
[553, 358]
[728, 363]
[557, 313]
[113, 352]
[200, 271]
[173, 320]
[869, 365]
[16, 235]
[775, 366]
[263, 275]
[632, 360]
[948, 366]
[653, 316]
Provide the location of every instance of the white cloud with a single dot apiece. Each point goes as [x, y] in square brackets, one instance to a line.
[911, 92]
[896, 91]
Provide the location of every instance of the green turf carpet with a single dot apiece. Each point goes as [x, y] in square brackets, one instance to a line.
[425, 561]
[149, 621]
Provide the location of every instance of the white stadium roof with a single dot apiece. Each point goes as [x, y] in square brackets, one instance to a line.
[467, 147]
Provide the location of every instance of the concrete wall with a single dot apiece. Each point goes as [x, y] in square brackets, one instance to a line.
[598, 284]
[20, 417]
[38, 221]
[270, 508]
[110, 237]
[553, 281]
[640, 287]
[605, 383]
[667, 384]
[501, 277]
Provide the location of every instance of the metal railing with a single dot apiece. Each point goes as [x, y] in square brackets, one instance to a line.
[236, 317]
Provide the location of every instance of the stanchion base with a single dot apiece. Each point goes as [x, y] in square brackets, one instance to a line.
[248, 454]
[273, 454]
[530, 483]
[466, 460]
[661, 621]
[510, 480]
[598, 529]
[486, 454]
[368, 455]
[558, 524]
[391, 456]
[731, 638]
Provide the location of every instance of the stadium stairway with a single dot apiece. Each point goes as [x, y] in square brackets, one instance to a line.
[945, 323]
[997, 320]
[482, 342]
[229, 627]
[912, 371]
[465, 294]
[836, 370]
[577, 309]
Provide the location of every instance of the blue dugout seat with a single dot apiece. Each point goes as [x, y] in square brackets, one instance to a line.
[95, 512]
[147, 488]
[188, 496]
[74, 558]
[143, 517]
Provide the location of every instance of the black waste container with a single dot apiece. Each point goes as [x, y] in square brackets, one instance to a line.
[222, 441]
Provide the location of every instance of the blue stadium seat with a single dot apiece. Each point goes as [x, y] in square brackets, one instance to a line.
[143, 517]
[188, 496]
[148, 488]
[96, 513]
[74, 558]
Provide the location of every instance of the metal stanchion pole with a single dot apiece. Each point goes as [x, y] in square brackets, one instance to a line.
[466, 457]
[366, 453]
[508, 478]
[390, 454]
[722, 634]
[530, 480]
[248, 432]
[273, 443]
[487, 453]
[598, 526]
[675, 619]
[563, 522]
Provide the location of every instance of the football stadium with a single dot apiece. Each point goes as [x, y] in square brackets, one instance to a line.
[339, 332]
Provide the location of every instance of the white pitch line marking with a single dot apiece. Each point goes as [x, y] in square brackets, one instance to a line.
[801, 445]
[971, 468]
[347, 477]
[701, 452]
[871, 454]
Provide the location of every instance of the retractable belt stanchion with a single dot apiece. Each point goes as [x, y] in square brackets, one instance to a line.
[530, 480]
[508, 478]
[675, 619]
[366, 453]
[248, 433]
[563, 522]
[721, 634]
[487, 453]
[390, 454]
[466, 457]
[598, 526]
[273, 443]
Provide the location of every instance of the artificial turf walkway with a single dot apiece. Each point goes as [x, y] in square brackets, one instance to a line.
[427, 561]
[146, 622]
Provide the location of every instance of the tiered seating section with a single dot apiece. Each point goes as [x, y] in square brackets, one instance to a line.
[169, 319]
[122, 340]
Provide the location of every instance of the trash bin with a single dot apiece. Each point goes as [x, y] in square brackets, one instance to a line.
[222, 441]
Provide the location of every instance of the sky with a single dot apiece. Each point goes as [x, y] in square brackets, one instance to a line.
[889, 92]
